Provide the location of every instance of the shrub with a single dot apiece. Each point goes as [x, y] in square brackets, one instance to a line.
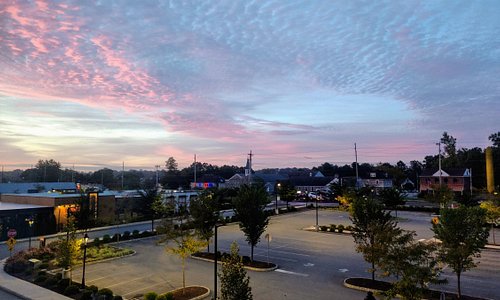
[96, 242]
[50, 282]
[151, 296]
[117, 297]
[106, 238]
[340, 228]
[116, 237]
[93, 288]
[62, 284]
[41, 273]
[40, 279]
[43, 265]
[245, 260]
[71, 290]
[167, 296]
[17, 263]
[107, 294]
[58, 276]
[126, 235]
[349, 228]
[135, 234]
[86, 295]
[333, 227]
[323, 228]
[234, 219]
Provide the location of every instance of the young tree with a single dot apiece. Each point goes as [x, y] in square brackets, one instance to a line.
[233, 277]
[185, 245]
[463, 235]
[151, 206]
[413, 263]
[441, 194]
[204, 213]
[374, 230]
[392, 198]
[287, 192]
[69, 247]
[492, 208]
[171, 165]
[249, 208]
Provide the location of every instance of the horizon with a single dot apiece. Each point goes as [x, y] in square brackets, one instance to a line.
[297, 83]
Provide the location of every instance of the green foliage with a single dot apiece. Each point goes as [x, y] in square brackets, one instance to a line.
[441, 194]
[249, 207]
[333, 227]
[117, 297]
[233, 277]
[184, 245]
[340, 228]
[151, 296]
[463, 235]
[71, 290]
[374, 230]
[167, 296]
[204, 213]
[105, 293]
[86, 295]
[495, 139]
[62, 284]
[69, 246]
[106, 238]
[40, 279]
[392, 197]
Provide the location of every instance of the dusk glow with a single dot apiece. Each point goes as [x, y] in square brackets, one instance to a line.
[93, 84]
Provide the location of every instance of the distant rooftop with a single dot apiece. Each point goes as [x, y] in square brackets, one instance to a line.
[34, 187]
[13, 206]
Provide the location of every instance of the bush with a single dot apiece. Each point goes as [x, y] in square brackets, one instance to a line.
[50, 282]
[42, 273]
[151, 296]
[126, 235]
[323, 228]
[116, 237]
[333, 227]
[62, 284]
[107, 294]
[71, 290]
[340, 228]
[93, 288]
[43, 265]
[135, 234]
[96, 242]
[245, 260]
[349, 228]
[167, 296]
[117, 297]
[58, 276]
[106, 238]
[40, 279]
[86, 295]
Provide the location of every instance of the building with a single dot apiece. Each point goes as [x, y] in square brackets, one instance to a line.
[15, 216]
[457, 179]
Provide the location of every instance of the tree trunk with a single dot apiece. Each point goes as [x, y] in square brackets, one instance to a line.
[152, 224]
[373, 270]
[493, 233]
[251, 254]
[458, 286]
[183, 275]
[208, 245]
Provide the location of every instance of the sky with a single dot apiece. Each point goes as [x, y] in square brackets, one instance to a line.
[96, 84]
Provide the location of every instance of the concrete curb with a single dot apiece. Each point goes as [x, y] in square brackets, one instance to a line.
[359, 288]
[198, 297]
[245, 267]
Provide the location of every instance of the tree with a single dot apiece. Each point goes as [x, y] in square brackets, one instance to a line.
[233, 277]
[204, 213]
[492, 208]
[495, 139]
[287, 192]
[441, 194]
[185, 244]
[171, 165]
[249, 208]
[414, 264]
[151, 206]
[462, 235]
[68, 248]
[83, 217]
[392, 198]
[374, 230]
[450, 144]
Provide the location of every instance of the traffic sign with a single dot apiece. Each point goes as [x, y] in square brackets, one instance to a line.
[11, 242]
[12, 233]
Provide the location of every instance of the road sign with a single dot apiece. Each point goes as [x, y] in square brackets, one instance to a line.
[10, 243]
[268, 237]
[12, 233]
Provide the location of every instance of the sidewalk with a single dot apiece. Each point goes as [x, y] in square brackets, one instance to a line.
[24, 289]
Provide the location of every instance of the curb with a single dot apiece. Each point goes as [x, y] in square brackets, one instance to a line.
[359, 288]
[198, 297]
[245, 267]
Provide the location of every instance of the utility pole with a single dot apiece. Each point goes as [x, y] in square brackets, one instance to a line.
[194, 170]
[356, 155]
[1, 178]
[439, 160]
[123, 171]
[157, 177]
[250, 167]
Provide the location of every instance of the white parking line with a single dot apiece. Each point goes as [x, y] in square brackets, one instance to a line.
[122, 282]
[291, 273]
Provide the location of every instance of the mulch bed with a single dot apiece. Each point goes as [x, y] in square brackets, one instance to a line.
[190, 292]
[246, 260]
[383, 286]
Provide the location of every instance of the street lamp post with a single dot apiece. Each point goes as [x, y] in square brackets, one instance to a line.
[30, 221]
[85, 240]
[277, 195]
[215, 260]
[317, 226]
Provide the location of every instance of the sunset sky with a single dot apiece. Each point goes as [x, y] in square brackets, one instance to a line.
[96, 83]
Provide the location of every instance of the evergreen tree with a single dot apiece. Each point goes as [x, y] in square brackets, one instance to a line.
[233, 277]
[204, 214]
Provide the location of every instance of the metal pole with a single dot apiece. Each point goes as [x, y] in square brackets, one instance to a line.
[317, 227]
[215, 263]
[84, 259]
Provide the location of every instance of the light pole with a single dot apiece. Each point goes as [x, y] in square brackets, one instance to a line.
[30, 222]
[317, 226]
[277, 195]
[85, 240]
[215, 260]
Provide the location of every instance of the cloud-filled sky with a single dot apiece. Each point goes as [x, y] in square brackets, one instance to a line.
[297, 82]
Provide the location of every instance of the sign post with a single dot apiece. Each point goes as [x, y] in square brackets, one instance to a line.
[10, 243]
[269, 238]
